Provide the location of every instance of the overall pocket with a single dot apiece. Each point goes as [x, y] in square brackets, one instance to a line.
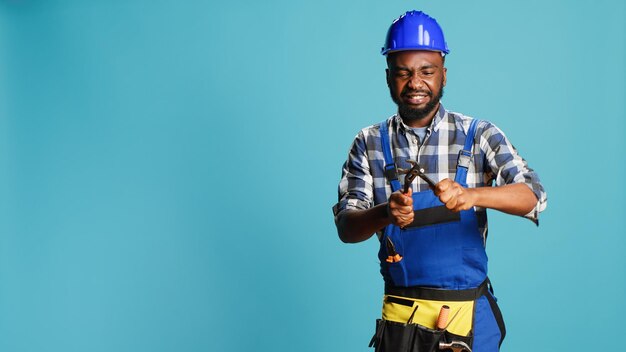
[398, 273]
[392, 250]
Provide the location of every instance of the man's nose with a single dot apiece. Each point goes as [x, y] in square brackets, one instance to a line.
[415, 81]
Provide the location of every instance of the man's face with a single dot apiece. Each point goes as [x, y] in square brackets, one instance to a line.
[416, 80]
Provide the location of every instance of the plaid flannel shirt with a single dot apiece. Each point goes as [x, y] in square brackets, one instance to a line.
[363, 183]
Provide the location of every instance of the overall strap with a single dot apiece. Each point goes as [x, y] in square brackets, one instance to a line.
[465, 155]
[390, 167]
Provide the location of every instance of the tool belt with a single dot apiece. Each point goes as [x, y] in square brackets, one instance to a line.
[410, 319]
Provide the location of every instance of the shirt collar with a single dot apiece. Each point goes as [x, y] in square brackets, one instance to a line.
[434, 124]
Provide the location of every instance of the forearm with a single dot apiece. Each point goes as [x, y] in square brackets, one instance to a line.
[359, 225]
[516, 199]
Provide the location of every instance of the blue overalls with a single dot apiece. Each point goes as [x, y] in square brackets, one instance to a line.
[443, 260]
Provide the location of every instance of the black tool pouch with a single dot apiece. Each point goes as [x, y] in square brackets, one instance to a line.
[391, 336]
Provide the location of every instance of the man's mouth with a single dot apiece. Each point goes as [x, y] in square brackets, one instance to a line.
[416, 98]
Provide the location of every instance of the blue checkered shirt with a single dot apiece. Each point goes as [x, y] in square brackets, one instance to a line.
[495, 161]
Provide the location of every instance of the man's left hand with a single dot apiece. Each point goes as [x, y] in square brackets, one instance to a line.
[454, 196]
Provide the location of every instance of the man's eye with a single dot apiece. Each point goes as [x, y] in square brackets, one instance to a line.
[402, 74]
[428, 73]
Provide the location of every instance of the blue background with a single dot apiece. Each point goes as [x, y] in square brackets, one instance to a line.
[167, 169]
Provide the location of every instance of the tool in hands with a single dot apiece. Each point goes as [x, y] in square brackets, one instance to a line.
[415, 171]
[392, 255]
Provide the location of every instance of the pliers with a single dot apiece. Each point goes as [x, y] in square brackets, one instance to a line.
[392, 255]
[412, 173]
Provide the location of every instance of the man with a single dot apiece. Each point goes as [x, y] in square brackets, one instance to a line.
[432, 237]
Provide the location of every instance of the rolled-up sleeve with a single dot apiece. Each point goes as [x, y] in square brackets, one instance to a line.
[509, 167]
[356, 185]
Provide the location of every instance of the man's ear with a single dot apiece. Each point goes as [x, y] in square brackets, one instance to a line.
[445, 71]
[387, 76]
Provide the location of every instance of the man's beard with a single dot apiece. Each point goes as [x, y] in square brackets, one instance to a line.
[410, 114]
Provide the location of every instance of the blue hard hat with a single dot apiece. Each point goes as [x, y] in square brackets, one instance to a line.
[415, 30]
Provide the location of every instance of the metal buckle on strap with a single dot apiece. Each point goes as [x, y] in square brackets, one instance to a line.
[391, 172]
[465, 158]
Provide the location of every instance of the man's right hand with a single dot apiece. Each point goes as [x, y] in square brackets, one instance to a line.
[400, 208]
[356, 225]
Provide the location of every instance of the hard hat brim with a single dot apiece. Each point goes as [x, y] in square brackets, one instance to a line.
[391, 51]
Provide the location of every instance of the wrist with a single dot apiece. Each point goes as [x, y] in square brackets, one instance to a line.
[474, 196]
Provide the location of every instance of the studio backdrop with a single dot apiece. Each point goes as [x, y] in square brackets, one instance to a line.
[168, 168]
